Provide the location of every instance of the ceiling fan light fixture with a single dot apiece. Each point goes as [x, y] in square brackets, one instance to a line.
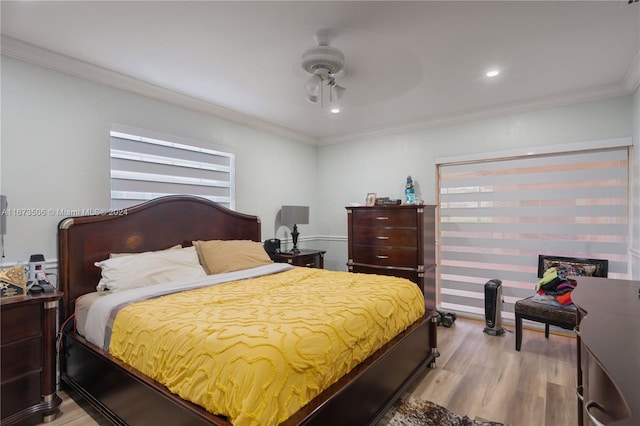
[314, 85]
[326, 57]
[323, 62]
[337, 91]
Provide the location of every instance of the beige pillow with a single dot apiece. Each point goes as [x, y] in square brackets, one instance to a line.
[149, 268]
[219, 256]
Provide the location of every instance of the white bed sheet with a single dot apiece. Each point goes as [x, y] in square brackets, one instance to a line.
[98, 314]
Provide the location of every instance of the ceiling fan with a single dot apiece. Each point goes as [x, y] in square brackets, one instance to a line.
[323, 62]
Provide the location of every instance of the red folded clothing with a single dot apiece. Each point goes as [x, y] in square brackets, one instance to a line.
[564, 299]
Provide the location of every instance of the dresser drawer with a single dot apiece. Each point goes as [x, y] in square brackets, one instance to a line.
[382, 256]
[395, 237]
[20, 322]
[21, 357]
[385, 218]
[19, 394]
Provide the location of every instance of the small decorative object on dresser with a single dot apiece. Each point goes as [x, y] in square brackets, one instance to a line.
[395, 240]
[371, 199]
[28, 352]
[308, 258]
[386, 201]
[13, 282]
[409, 192]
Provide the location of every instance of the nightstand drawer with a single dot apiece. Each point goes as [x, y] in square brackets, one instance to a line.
[20, 358]
[306, 258]
[372, 217]
[20, 393]
[309, 261]
[406, 258]
[385, 237]
[20, 322]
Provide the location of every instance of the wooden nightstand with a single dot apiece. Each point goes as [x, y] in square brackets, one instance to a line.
[28, 357]
[308, 258]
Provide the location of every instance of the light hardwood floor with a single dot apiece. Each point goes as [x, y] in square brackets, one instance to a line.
[478, 375]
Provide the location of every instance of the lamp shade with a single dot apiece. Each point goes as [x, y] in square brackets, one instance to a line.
[295, 215]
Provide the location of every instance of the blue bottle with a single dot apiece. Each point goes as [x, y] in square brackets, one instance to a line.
[409, 192]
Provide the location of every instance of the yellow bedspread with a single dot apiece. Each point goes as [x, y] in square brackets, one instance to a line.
[258, 350]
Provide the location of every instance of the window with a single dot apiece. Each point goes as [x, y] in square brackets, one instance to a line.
[146, 165]
[496, 216]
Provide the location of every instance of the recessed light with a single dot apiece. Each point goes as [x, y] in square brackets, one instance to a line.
[492, 73]
[335, 110]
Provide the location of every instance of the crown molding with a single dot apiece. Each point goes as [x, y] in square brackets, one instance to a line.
[588, 95]
[632, 78]
[36, 55]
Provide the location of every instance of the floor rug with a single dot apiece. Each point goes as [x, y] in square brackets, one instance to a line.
[415, 412]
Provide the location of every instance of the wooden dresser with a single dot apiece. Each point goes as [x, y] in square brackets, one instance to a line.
[395, 240]
[28, 358]
[608, 338]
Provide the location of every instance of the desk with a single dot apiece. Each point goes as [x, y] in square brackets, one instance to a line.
[608, 351]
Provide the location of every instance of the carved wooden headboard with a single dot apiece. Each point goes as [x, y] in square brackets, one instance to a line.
[154, 225]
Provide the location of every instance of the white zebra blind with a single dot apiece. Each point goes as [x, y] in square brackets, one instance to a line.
[145, 165]
[496, 217]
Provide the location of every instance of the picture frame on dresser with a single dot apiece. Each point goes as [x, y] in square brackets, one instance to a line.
[371, 199]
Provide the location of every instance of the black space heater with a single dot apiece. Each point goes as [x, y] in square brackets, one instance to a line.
[493, 307]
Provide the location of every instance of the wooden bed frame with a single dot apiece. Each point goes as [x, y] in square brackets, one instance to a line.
[125, 396]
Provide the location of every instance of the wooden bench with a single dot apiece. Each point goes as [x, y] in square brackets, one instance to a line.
[560, 316]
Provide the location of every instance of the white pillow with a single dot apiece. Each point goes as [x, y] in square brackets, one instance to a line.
[149, 268]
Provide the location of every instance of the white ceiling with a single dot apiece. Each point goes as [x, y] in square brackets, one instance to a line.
[409, 65]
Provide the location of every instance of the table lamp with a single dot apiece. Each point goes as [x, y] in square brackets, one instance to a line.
[294, 215]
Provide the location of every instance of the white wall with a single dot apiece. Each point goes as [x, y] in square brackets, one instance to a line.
[55, 153]
[348, 171]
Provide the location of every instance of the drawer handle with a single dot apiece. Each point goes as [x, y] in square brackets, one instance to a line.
[382, 218]
[382, 238]
[593, 419]
[309, 265]
[382, 257]
[579, 391]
